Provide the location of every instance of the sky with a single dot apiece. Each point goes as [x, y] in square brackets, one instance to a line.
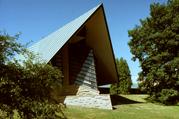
[35, 19]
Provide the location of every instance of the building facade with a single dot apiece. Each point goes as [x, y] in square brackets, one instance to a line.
[82, 49]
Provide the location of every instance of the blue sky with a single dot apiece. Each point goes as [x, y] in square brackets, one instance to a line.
[36, 19]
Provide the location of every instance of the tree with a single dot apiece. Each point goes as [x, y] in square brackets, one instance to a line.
[155, 43]
[26, 87]
[124, 84]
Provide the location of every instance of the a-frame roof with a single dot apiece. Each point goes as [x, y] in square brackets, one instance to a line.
[97, 38]
[47, 47]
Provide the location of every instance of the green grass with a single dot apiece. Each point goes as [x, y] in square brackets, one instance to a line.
[126, 107]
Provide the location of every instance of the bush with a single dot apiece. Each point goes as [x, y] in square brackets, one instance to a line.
[113, 89]
[40, 110]
[26, 87]
[168, 96]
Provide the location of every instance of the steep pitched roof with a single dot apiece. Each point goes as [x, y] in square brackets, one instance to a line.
[50, 45]
[97, 38]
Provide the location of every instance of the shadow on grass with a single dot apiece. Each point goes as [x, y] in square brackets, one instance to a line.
[120, 100]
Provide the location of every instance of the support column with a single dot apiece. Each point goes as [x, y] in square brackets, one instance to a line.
[65, 65]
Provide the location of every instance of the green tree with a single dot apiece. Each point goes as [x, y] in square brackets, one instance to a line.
[155, 43]
[25, 86]
[124, 84]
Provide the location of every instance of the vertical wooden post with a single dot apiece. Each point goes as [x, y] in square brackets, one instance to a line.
[65, 65]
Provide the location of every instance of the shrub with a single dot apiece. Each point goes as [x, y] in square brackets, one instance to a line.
[113, 89]
[25, 87]
[168, 96]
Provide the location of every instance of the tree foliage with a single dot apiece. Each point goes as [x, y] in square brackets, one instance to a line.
[26, 86]
[155, 43]
[124, 84]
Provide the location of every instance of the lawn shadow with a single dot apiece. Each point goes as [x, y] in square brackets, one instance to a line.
[120, 100]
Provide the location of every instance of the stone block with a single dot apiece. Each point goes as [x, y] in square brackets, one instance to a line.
[98, 101]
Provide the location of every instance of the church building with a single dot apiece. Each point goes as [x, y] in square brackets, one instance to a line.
[82, 49]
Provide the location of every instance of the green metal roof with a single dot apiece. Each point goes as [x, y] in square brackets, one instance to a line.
[50, 45]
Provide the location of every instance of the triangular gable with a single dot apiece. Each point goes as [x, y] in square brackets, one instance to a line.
[98, 39]
[50, 45]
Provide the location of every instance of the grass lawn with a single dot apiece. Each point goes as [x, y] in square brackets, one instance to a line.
[126, 107]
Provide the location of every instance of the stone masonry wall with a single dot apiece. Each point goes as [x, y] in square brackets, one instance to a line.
[101, 101]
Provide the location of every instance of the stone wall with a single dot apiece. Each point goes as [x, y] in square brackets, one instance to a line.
[102, 101]
[84, 90]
